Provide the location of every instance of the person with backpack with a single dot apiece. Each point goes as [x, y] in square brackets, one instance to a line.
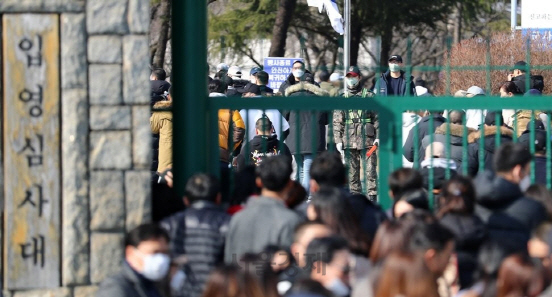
[264, 144]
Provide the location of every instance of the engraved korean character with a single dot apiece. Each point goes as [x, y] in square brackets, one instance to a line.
[33, 97]
[33, 151]
[34, 197]
[34, 249]
[34, 54]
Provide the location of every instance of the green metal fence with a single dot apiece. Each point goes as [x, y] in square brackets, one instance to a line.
[195, 114]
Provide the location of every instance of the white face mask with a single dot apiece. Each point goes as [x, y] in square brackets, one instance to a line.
[394, 67]
[253, 80]
[178, 280]
[339, 288]
[525, 183]
[352, 81]
[156, 266]
[298, 73]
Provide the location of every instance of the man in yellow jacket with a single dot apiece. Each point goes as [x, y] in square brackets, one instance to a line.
[231, 134]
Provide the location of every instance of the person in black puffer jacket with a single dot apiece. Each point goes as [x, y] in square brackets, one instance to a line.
[489, 132]
[264, 144]
[311, 133]
[198, 233]
[456, 212]
[501, 205]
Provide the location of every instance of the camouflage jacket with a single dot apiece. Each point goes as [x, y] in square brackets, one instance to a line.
[361, 125]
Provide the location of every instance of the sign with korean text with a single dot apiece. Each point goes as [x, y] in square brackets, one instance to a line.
[278, 70]
[31, 136]
[536, 14]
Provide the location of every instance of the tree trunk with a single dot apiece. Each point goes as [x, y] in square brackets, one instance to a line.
[356, 39]
[457, 35]
[386, 42]
[280, 29]
[164, 13]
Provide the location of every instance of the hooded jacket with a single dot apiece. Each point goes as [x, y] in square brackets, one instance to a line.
[508, 215]
[290, 81]
[356, 129]
[423, 130]
[301, 123]
[489, 147]
[383, 84]
[259, 147]
[456, 142]
[161, 123]
[229, 121]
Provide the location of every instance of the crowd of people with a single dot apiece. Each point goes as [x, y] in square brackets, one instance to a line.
[300, 222]
[486, 236]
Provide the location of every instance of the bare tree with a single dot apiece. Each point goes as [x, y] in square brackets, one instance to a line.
[159, 31]
[280, 29]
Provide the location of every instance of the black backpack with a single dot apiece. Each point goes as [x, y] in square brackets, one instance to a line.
[537, 82]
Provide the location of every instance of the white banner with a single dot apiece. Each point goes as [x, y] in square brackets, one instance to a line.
[536, 14]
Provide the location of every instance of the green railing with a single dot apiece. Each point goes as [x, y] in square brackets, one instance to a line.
[195, 114]
[389, 111]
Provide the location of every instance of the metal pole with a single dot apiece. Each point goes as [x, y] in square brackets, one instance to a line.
[513, 15]
[190, 106]
[347, 37]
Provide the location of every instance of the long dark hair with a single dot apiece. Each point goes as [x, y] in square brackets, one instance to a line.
[334, 210]
[457, 196]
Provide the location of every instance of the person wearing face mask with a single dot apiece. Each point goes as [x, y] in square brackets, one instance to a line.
[146, 262]
[355, 132]
[500, 203]
[297, 75]
[329, 259]
[393, 82]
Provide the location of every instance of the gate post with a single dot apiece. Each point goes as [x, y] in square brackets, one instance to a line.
[190, 71]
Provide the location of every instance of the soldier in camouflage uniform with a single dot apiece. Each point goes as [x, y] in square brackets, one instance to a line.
[355, 132]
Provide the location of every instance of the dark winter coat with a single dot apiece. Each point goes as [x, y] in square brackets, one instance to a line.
[290, 81]
[519, 81]
[423, 131]
[489, 145]
[469, 232]
[199, 233]
[383, 84]
[356, 129]
[259, 147]
[456, 142]
[301, 122]
[127, 283]
[507, 214]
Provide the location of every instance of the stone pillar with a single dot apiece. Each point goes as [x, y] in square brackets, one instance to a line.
[104, 138]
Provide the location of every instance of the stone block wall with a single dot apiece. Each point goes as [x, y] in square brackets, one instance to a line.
[105, 134]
